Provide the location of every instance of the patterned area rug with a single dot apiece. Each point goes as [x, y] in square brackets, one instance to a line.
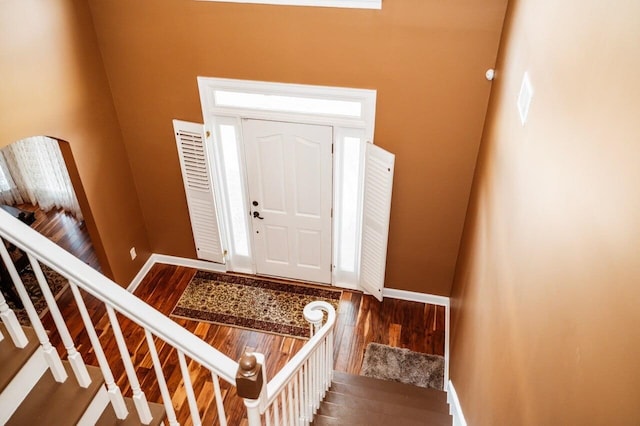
[57, 284]
[255, 304]
[404, 366]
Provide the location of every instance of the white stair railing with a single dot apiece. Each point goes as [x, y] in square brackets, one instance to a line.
[118, 302]
[294, 394]
[290, 398]
[50, 353]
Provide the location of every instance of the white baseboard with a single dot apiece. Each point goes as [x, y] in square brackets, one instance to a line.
[21, 384]
[135, 282]
[432, 299]
[95, 408]
[455, 409]
[172, 260]
[413, 296]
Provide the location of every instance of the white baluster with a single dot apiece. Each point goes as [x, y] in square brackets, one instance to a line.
[330, 357]
[74, 357]
[296, 397]
[320, 375]
[326, 367]
[253, 412]
[303, 392]
[281, 408]
[321, 369]
[115, 395]
[314, 387]
[290, 403]
[267, 416]
[50, 353]
[12, 324]
[284, 411]
[276, 413]
[307, 391]
[139, 398]
[162, 383]
[188, 387]
[322, 379]
[316, 381]
[222, 416]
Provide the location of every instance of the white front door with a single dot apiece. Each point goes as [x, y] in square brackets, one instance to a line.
[289, 171]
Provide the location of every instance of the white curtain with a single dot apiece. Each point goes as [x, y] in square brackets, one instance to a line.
[9, 193]
[34, 171]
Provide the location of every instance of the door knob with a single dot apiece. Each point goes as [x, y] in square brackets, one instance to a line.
[255, 203]
[257, 215]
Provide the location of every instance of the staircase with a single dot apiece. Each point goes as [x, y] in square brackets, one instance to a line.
[25, 374]
[359, 400]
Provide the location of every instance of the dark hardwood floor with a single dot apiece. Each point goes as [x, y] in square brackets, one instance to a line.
[66, 231]
[361, 320]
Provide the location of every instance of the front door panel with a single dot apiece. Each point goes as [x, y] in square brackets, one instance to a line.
[289, 168]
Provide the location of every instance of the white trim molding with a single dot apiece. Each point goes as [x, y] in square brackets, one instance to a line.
[172, 260]
[211, 88]
[413, 296]
[351, 4]
[455, 409]
[349, 111]
[432, 299]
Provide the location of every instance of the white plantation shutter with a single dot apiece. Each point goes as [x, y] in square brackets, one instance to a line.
[198, 186]
[378, 182]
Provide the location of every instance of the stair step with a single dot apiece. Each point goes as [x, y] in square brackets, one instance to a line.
[358, 400]
[57, 404]
[390, 386]
[359, 420]
[322, 420]
[404, 399]
[353, 403]
[108, 417]
[11, 358]
[348, 415]
[21, 369]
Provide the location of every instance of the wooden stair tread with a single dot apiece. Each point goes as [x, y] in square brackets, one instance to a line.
[11, 358]
[389, 386]
[108, 417]
[358, 400]
[351, 402]
[322, 420]
[403, 399]
[368, 419]
[360, 420]
[53, 403]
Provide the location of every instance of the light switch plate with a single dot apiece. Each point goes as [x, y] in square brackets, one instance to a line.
[524, 98]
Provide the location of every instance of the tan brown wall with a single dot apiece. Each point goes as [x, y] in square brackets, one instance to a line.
[53, 83]
[426, 58]
[547, 296]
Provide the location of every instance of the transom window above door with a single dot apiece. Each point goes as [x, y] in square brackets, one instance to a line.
[353, 4]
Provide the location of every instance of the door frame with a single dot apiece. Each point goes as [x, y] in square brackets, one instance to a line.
[356, 123]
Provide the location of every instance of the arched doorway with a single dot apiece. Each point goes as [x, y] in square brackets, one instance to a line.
[40, 184]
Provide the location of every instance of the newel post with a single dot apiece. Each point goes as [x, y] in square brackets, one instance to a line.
[251, 385]
[312, 313]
